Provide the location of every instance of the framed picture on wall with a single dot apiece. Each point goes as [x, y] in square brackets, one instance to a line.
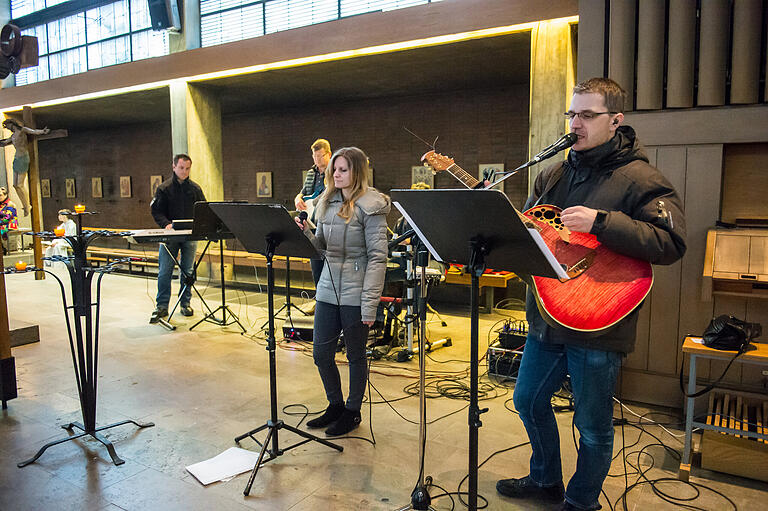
[264, 184]
[125, 186]
[422, 174]
[488, 171]
[69, 188]
[154, 182]
[96, 190]
[45, 187]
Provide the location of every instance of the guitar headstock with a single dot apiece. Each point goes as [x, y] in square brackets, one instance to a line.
[437, 161]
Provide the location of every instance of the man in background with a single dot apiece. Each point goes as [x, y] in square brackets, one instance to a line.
[314, 185]
[175, 199]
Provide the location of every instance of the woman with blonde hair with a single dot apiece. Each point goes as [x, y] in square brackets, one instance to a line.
[351, 236]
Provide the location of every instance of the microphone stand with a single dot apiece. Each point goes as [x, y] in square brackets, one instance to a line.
[420, 499]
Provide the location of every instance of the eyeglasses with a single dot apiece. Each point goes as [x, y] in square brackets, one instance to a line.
[586, 115]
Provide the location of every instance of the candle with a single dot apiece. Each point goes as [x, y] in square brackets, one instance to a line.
[21, 266]
[59, 231]
[79, 208]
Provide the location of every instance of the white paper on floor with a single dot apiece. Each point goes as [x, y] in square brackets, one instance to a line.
[226, 465]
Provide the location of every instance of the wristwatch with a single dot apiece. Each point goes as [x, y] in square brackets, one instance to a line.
[599, 223]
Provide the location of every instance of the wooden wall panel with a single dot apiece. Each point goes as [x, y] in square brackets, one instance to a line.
[681, 53]
[745, 51]
[713, 52]
[745, 182]
[592, 36]
[650, 54]
[638, 359]
[703, 175]
[621, 47]
[665, 304]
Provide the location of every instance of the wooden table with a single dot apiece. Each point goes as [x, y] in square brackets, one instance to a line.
[695, 350]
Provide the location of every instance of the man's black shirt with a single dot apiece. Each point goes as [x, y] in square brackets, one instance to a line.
[175, 200]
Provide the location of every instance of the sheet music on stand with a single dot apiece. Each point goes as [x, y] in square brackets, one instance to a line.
[511, 244]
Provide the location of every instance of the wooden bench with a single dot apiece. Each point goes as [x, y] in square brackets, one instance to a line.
[488, 281]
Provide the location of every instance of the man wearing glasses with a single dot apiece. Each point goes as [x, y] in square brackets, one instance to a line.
[605, 187]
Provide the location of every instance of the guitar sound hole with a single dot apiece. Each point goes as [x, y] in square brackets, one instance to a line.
[537, 214]
[549, 215]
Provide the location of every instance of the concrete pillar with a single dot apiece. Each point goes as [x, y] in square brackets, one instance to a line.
[552, 79]
[189, 36]
[196, 131]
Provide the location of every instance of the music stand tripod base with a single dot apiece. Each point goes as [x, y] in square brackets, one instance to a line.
[265, 228]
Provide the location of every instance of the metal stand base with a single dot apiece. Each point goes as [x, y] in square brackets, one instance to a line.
[420, 499]
[210, 317]
[69, 427]
[273, 427]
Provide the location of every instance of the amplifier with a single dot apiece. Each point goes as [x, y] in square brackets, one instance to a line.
[503, 362]
[299, 328]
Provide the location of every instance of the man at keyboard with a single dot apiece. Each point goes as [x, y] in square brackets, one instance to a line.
[175, 199]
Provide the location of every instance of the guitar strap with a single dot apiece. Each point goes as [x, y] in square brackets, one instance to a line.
[551, 182]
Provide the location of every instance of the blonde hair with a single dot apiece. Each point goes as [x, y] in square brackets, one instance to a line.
[321, 143]
[358, 167]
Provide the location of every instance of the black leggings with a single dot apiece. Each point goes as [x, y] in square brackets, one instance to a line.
[330, 320]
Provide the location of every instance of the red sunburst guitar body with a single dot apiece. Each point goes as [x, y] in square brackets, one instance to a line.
[604, 287]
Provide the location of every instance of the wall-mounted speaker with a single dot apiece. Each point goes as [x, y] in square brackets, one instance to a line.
[164, 14]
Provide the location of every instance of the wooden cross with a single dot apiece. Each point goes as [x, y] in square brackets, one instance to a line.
[35, 195]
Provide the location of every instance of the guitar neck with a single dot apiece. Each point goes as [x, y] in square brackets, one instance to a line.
[463, 176]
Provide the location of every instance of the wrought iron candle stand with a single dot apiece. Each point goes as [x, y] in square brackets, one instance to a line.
[84, 344]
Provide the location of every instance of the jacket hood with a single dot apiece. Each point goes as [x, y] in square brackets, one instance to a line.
[623, 148]
[372, 202]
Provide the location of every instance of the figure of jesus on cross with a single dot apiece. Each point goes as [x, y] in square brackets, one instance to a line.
[20, 141]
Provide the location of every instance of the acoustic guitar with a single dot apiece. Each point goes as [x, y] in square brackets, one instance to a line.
[603, 286]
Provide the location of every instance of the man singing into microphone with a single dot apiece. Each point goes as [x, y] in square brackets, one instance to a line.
[605, 187]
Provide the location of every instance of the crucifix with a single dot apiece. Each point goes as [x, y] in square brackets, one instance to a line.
[25, 162]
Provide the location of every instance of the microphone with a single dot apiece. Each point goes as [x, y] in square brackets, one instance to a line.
[564, 142]
[303, 217]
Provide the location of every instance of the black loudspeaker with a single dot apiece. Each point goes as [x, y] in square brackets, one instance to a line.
[164, 14]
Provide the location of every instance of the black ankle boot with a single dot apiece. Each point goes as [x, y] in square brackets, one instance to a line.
[349, 420]
[330, 415]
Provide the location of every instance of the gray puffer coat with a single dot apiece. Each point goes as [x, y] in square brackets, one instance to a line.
[355, 252]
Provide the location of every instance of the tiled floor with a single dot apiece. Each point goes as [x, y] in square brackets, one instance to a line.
[203, 388]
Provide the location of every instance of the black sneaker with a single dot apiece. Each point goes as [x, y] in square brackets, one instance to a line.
[567, 506]
[525, 488]
[349, 420]
[328, 417]
[159, 312]
[186, 310]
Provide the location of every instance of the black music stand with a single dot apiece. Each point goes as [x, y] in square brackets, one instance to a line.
[269, 229]
[206, 225]
[487, 222]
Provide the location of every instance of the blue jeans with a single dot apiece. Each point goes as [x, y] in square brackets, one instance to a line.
[593, 379]
[330, 320]
[165, 270]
